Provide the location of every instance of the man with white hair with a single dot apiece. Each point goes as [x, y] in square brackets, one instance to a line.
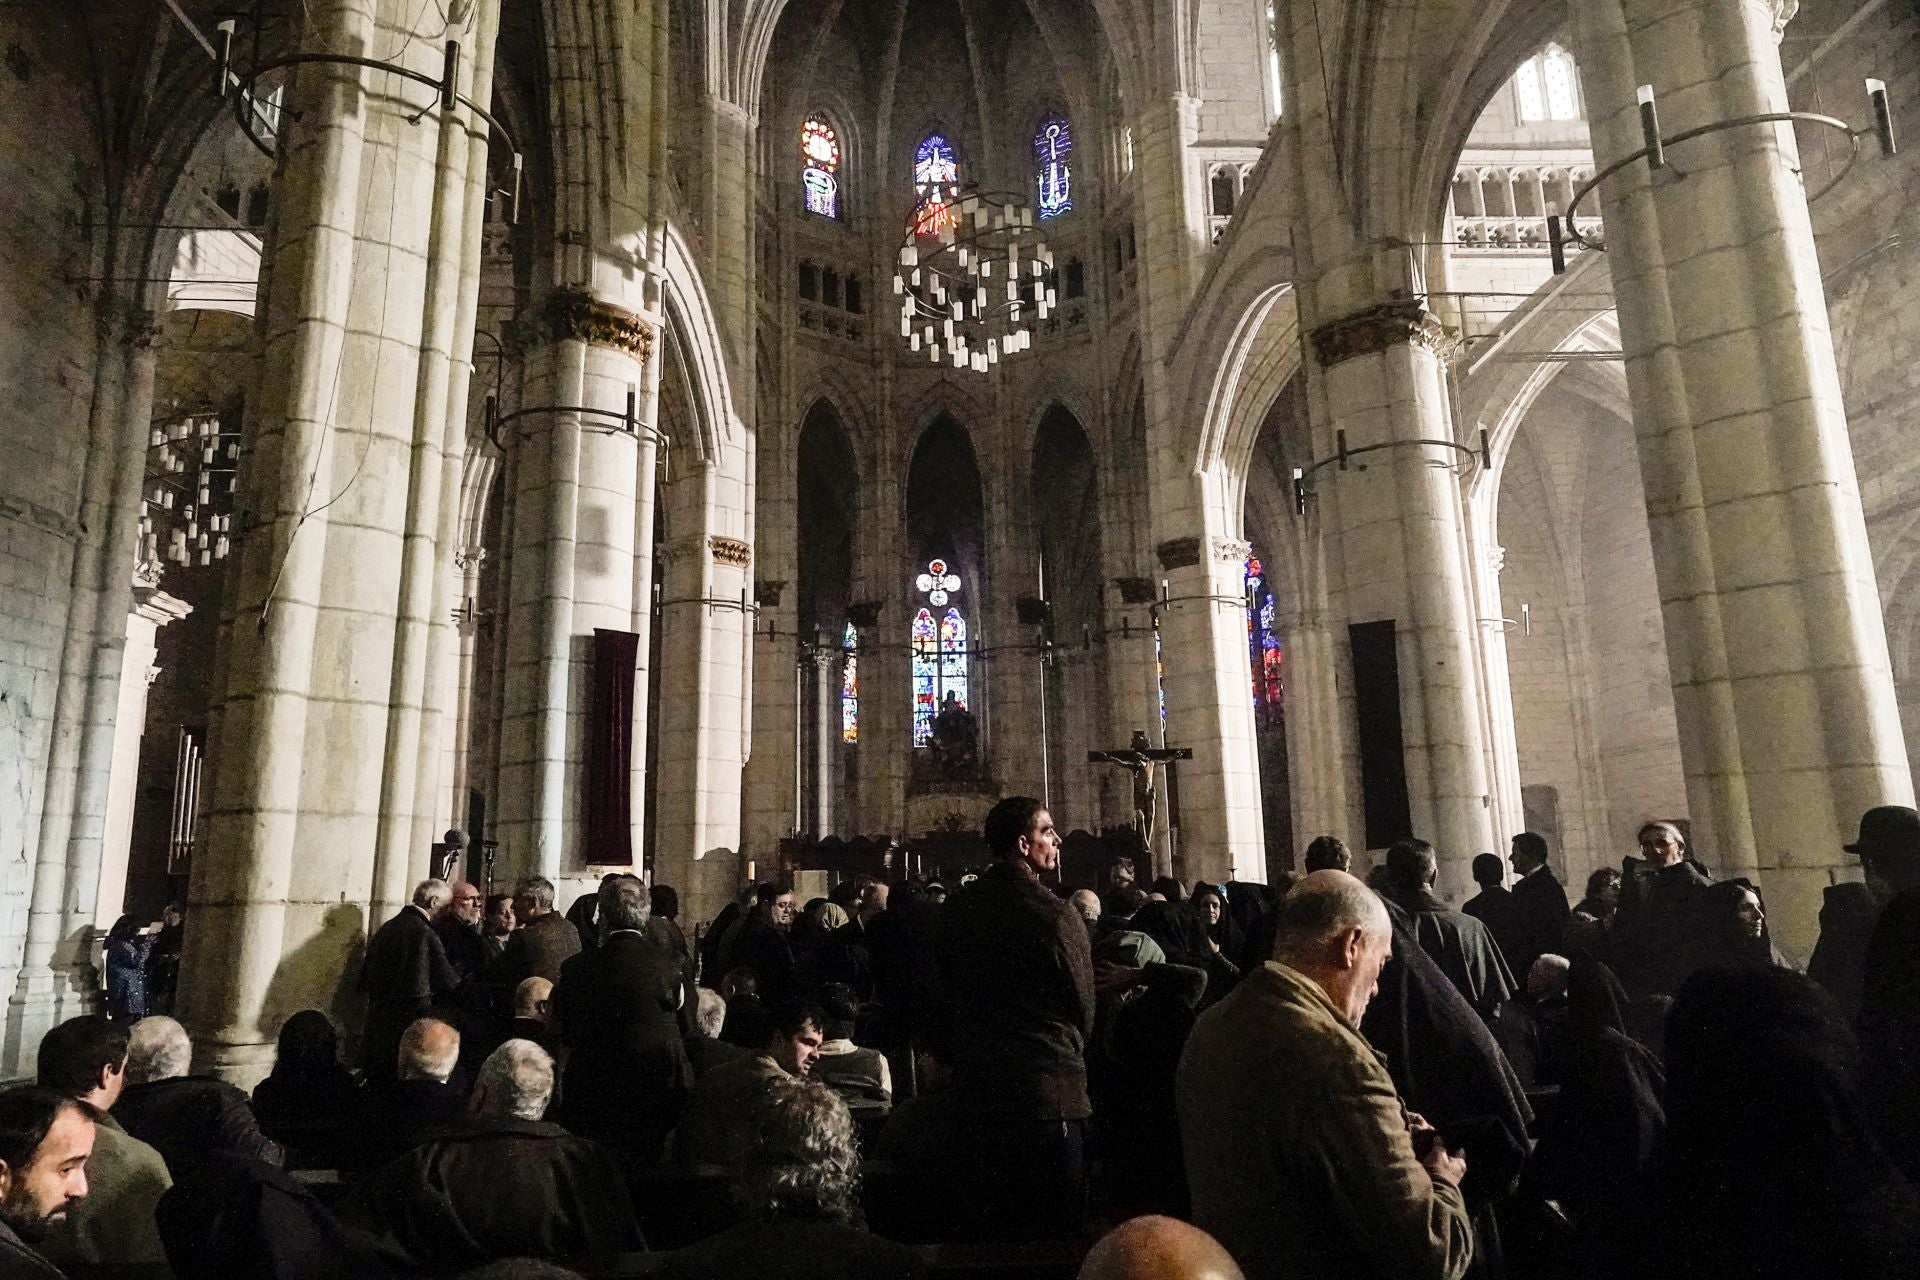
[1300, 1156]
[504, 1183]
[422, 1097]
[405, 971]
[705, 1049]
[186, 1118]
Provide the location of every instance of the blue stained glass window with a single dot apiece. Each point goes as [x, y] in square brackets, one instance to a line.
[939, 645]
[850, 687]
[936, 173]
[1052, 166]
[820, 167]
[1263, 645]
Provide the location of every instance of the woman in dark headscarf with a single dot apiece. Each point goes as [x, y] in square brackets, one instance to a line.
[1732, 930]
[1772, 1170]
[309, 1097]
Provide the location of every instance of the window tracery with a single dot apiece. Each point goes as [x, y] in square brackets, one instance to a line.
[939, 647]
[820, 167]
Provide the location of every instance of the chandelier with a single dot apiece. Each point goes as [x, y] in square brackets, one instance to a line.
[973, 276]
[186, 508]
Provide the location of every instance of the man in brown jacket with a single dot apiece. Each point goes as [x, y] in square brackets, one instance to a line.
[1301, 1158]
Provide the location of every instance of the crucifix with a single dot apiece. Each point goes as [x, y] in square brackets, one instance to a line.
[1141, 758]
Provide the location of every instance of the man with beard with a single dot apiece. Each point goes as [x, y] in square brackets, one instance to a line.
[45, 1139]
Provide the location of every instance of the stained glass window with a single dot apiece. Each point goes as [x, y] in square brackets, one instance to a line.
[1269, 695]
[1052, 166]
[850, 687]
[939, 645]
[820, 167]
[936, 174]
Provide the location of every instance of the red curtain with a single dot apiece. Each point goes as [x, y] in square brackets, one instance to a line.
[609, 788]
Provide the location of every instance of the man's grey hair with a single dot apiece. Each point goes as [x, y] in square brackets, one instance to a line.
[516, 1081]
[802, 1162]
[1087, 903]
[624, 904]
[431, 895]
[535, 889]
[429, 1050]
[710, 1013]
[1321, 909]
[158, 1049]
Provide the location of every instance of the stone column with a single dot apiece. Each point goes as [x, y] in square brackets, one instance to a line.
[881, 613]
[582, 534]
[703, 712]
[341, 467]
[153, 609]
[1203, 635]
[468, 560]
[773, 775]
[54, 979]
[1782, 683]
[1396, 520]
[826, 735]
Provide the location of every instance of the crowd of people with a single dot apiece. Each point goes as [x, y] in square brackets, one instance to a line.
[1326, 1077]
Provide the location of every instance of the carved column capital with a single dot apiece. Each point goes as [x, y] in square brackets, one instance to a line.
[469, 559]
[1379, 328]
[731, 551]
[1232, 550]
[1783, 13]
[579, 316]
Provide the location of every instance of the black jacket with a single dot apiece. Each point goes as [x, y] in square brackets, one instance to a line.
[1540, 904]
[1848, 913]
[497, 1189]
[1016, 973]
[616, 1010]
[19, 1261]
[406, 961]
[537, 949]
[188, 1118]
[232, 1218]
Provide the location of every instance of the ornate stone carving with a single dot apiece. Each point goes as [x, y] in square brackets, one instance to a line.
[730, 551]
[1783, 13]
[467, 559]
[672, 552]
[1178, 553]
[1232, 550]
[1496, 557]
[1134, 590]
[581, 316]
[1378, 329]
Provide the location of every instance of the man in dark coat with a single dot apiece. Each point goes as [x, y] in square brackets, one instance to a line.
[705, 1049]
[1660, 906]
[1889, 852]
[1493, 907]
[543, 942]
[457, 924]
[424, 1097]
[627, 1074]
[1458, 943]
[506, 1184]
[1016, 972]
[185, 1118]
[764, 943]
[405, 971]
[1539, 902]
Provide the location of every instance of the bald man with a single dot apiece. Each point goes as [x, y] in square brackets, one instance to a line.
[1156, 1248]
[405, 971]
[1301, 1158]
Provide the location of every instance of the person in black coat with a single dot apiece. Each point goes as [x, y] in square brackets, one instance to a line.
[309, 1102]
[185, 1118]
[503, 1184]
[425, 1096]
[1539, 903]
[1494, 907]
[627, 1074]
[235, 1218]
[1459, 944]
[405, 971]
[1016, 972]
[1889, 851]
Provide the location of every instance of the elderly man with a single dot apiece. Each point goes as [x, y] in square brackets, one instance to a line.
[704, 1047]
[504, 1183]
[185, 1118]
[424, 1095]
[45, 1139]
[112, 1229]
[1086, 905]
[795, 1184]
[406, 970]
[543, 942]
[1016, 969]
[1462, 946]
[1301, 1159]
[458, 925]
[616, 1004]
[1157, 1248]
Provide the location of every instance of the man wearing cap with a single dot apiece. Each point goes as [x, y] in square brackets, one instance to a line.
[1889, 852]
